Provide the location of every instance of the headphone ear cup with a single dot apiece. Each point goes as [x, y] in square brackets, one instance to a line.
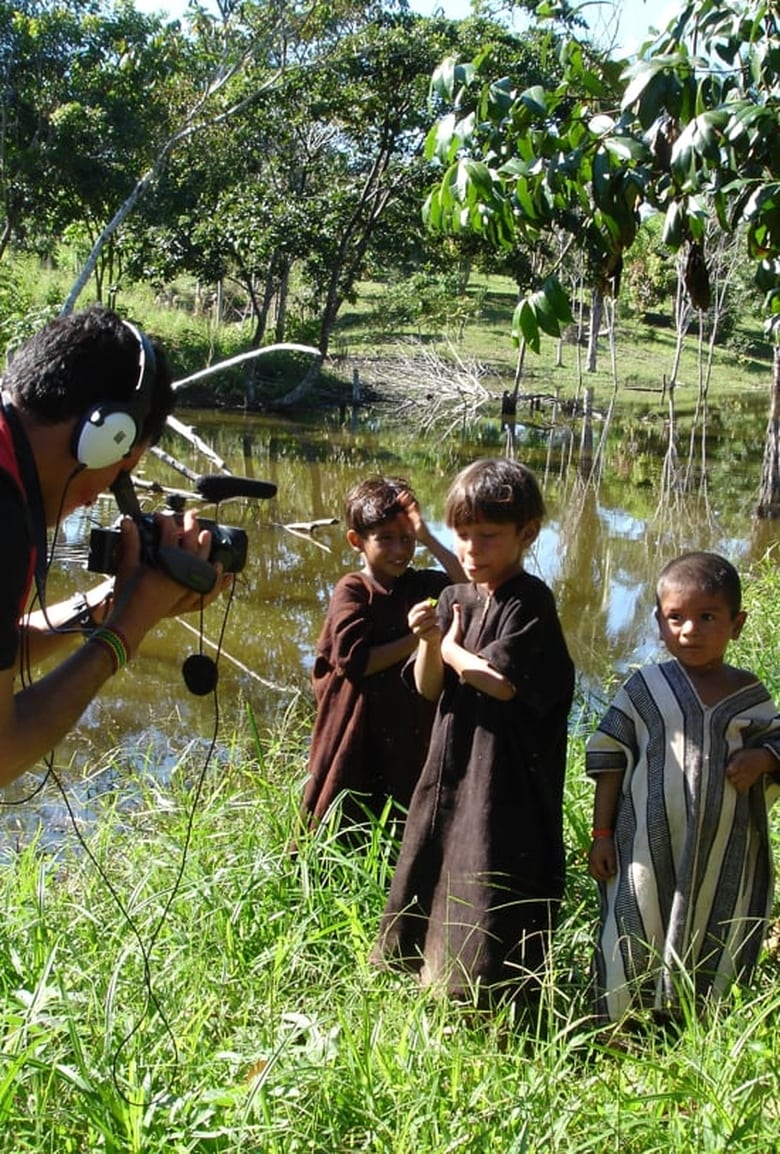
[104, 437]
[108, 431]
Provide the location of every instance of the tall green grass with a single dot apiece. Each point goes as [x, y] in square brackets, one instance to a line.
[221, 1000]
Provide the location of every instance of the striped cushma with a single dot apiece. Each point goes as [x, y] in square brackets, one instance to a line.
[687, 908]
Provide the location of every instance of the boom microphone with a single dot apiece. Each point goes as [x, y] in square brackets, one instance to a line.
[221, 487]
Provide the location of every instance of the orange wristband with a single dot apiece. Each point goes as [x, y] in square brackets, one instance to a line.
[597, 833]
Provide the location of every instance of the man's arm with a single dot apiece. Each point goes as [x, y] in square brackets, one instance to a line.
[34, 719]
[46, 632]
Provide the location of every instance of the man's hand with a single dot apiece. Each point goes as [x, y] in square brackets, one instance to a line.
[146, 594]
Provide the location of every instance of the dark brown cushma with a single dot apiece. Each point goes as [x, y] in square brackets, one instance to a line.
[480, 875]
[371, 733]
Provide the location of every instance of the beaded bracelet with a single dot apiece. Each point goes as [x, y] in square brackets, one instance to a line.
[597, 833]
[115, 643]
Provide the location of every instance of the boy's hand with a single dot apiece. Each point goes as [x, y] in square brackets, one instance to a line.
[747, 766]
[602, 860]
[454, 635]
[423, 620]
[412, 510]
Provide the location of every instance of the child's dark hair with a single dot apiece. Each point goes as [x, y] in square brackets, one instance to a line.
[705, 572]
[374, 501]
[494, 489]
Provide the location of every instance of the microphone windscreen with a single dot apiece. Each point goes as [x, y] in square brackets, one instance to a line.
[221, 487]
[200, 674]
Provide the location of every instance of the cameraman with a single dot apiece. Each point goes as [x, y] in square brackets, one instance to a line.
[81, 402]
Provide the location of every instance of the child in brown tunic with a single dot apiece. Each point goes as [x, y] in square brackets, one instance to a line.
[370, 733]
[480, 874]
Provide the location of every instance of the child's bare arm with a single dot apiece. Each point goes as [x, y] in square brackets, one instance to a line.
[428, 668]
[444, 556]
[602, 861]
[471, 668]
[747, 766]
[381, 657]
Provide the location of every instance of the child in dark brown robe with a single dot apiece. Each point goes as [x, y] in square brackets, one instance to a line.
[371, 733]
[480, 874]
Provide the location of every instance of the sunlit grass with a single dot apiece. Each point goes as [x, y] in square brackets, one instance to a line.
[239, 1013]
[644, 351]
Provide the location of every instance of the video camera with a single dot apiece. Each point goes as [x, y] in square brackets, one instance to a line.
[228, 543]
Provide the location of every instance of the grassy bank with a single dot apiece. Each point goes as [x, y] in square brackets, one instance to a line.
[185, 984]
[474, 328]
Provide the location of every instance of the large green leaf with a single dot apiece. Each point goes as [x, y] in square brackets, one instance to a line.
[646, 73]
[535, 99]
[674, 225]
[439, 141]
[525, 325]
[473, 183]
[451, 74]
[559, 300]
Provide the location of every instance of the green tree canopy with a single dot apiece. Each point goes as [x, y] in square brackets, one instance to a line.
[689, 129]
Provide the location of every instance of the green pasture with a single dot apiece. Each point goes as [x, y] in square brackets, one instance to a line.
[388, 320]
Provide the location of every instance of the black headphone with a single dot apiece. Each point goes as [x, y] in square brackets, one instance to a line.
[111, 429]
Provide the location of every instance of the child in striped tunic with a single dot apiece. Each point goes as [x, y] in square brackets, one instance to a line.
[686, 763]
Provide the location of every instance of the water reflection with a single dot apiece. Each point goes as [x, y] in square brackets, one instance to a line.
[600, 550]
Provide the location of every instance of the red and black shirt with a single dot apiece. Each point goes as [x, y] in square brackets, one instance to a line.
[18, 551]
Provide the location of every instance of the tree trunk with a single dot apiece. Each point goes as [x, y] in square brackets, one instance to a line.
[769, 492]
[596, 306]
[519, 370]
[5, 237]
[586, 437]
[282, 298]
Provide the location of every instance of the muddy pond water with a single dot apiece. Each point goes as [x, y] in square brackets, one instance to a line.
[600, 550]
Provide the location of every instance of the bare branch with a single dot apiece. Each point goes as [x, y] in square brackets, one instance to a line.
[284, 346]
[432, 391]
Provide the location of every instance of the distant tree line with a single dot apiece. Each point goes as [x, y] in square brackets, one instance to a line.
[277, 154]
[271, 152]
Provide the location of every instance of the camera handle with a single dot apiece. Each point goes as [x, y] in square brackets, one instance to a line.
[195, 573]
[125, 494]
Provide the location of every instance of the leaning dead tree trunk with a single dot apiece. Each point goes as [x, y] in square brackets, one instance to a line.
[769, 492]
[194, 121]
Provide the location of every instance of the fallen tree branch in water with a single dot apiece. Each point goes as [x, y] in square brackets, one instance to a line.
[306, 529]
[431, 389]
